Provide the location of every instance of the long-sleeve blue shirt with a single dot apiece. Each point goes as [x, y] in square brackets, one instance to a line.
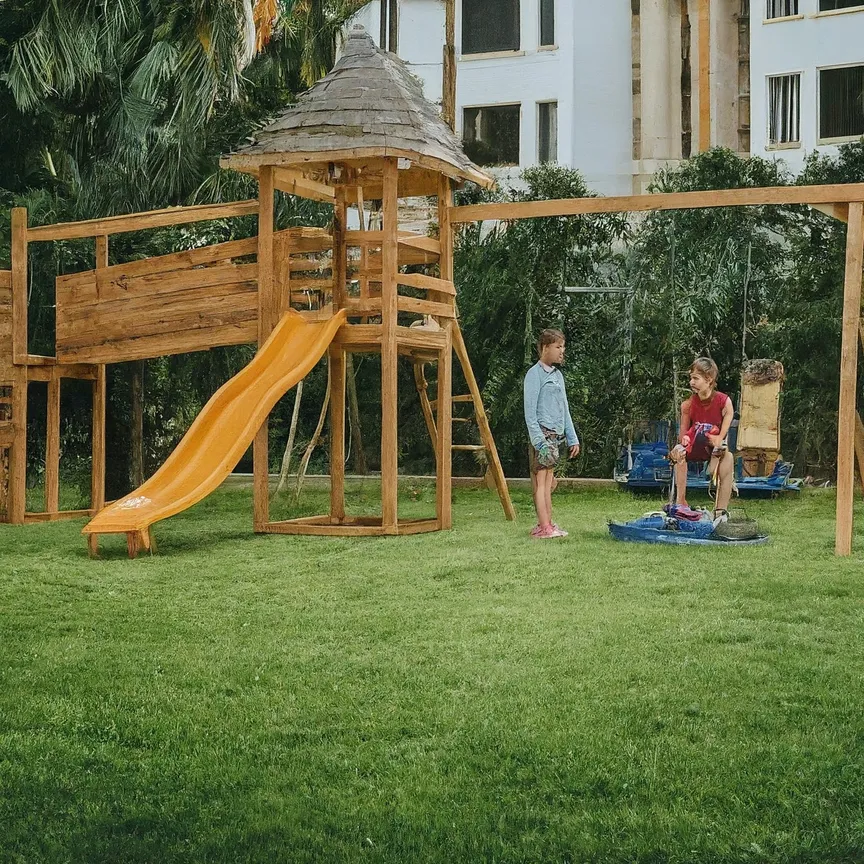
[546, 405]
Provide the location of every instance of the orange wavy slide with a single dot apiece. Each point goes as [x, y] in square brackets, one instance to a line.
[224, 429]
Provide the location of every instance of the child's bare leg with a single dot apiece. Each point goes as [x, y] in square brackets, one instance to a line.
[542, 497]
[724, 481]
[551, 482]
[681, 482]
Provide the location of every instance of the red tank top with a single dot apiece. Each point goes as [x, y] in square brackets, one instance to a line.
[704, 415]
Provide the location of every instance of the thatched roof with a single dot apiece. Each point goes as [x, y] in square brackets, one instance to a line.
[369, 105]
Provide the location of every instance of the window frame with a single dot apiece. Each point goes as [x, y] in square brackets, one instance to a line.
[790, 16]
[782, 145]
[546, 46]
[487, 105]
[858, 7]
[552, 141]
[836, 139]
[490, 52]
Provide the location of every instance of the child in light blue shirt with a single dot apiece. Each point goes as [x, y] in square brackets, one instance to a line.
[550, 427]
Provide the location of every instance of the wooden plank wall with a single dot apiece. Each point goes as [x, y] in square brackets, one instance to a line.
[5, 325]
[187, 301]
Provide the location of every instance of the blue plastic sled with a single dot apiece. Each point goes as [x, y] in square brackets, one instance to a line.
[659, 528]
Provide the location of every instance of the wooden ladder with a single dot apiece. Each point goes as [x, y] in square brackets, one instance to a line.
[494, 470]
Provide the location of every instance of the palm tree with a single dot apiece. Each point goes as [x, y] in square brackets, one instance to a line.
[143, 96]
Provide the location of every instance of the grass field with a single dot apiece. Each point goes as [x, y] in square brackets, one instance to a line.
[455, 697]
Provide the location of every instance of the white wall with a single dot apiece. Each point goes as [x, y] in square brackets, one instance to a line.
[803, 44]
[589, 74]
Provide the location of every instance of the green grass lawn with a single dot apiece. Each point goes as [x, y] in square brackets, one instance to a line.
[455, 697]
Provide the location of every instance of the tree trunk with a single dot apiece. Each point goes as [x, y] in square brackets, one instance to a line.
[137, 455]
[289, 447]
[354, 408]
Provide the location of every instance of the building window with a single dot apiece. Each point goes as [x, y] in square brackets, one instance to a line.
[831, 5]
[547, 132]
[491, 135]
[781, 8]
[841, 102]
[547, 22]
[784, 109]
[490, 25]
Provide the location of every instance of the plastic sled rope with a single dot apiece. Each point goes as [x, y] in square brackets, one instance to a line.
[660, 528]
[226, 426]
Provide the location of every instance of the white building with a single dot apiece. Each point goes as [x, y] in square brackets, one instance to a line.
[610, 88]
[807, 77]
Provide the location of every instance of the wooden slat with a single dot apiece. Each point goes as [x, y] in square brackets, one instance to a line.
[773, 195]
[141, 221]
[340, 260]
[468, 447]
[427, 283]
[419, 241]
[371, 306]
[354, 335]
[56, 516]
[389, 351]
[307, 265]
[364, 238]
[305, 240]
[426, 307]
[859, 448]
[143, 347]
[415, 337]
[5, 281]
[425, 406]
[848, 379]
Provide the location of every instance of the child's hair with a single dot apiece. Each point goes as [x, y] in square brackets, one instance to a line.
[707, 368]
[548, 337]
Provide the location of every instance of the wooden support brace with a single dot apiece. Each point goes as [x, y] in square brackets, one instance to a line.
[52, 447]
[97, 470]
[338, 390]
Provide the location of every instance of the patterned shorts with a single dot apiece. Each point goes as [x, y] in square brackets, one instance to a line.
[553, 451]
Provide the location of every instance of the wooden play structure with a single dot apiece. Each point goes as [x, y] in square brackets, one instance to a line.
[362, 133]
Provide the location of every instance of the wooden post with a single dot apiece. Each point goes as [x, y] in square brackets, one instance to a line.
[97, 476]
[340, 259]
[137, 419]
[337, 433]
[52, 447]
[389, 355]
[266, 309]
[18, 451]
[704, 75]
[19, 285]
[393, 27]
[448, 101]
[444, 443]
[848, 379]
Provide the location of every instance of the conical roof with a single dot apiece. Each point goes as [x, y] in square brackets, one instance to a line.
[369, 105]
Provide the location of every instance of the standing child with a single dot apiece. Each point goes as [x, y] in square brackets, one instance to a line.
[550, 427]
[705, 420]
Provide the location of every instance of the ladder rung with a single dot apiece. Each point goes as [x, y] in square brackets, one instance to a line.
[462, 397]
[468, 447]
[463, 419]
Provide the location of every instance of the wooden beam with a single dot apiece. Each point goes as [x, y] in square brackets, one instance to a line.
[338, 384]
[448, 101]
[19, 285]
[140, 221]
[97, 470]
[17, 501]
[775, 195]
[419, 241]
[859, 448]
[848, 379]
[495, 466]
[294, 183]
[444, 465]
[426, 307]
[389, 349]
[835, 211]
[52, 447]
[704, 75]
[426, 406]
